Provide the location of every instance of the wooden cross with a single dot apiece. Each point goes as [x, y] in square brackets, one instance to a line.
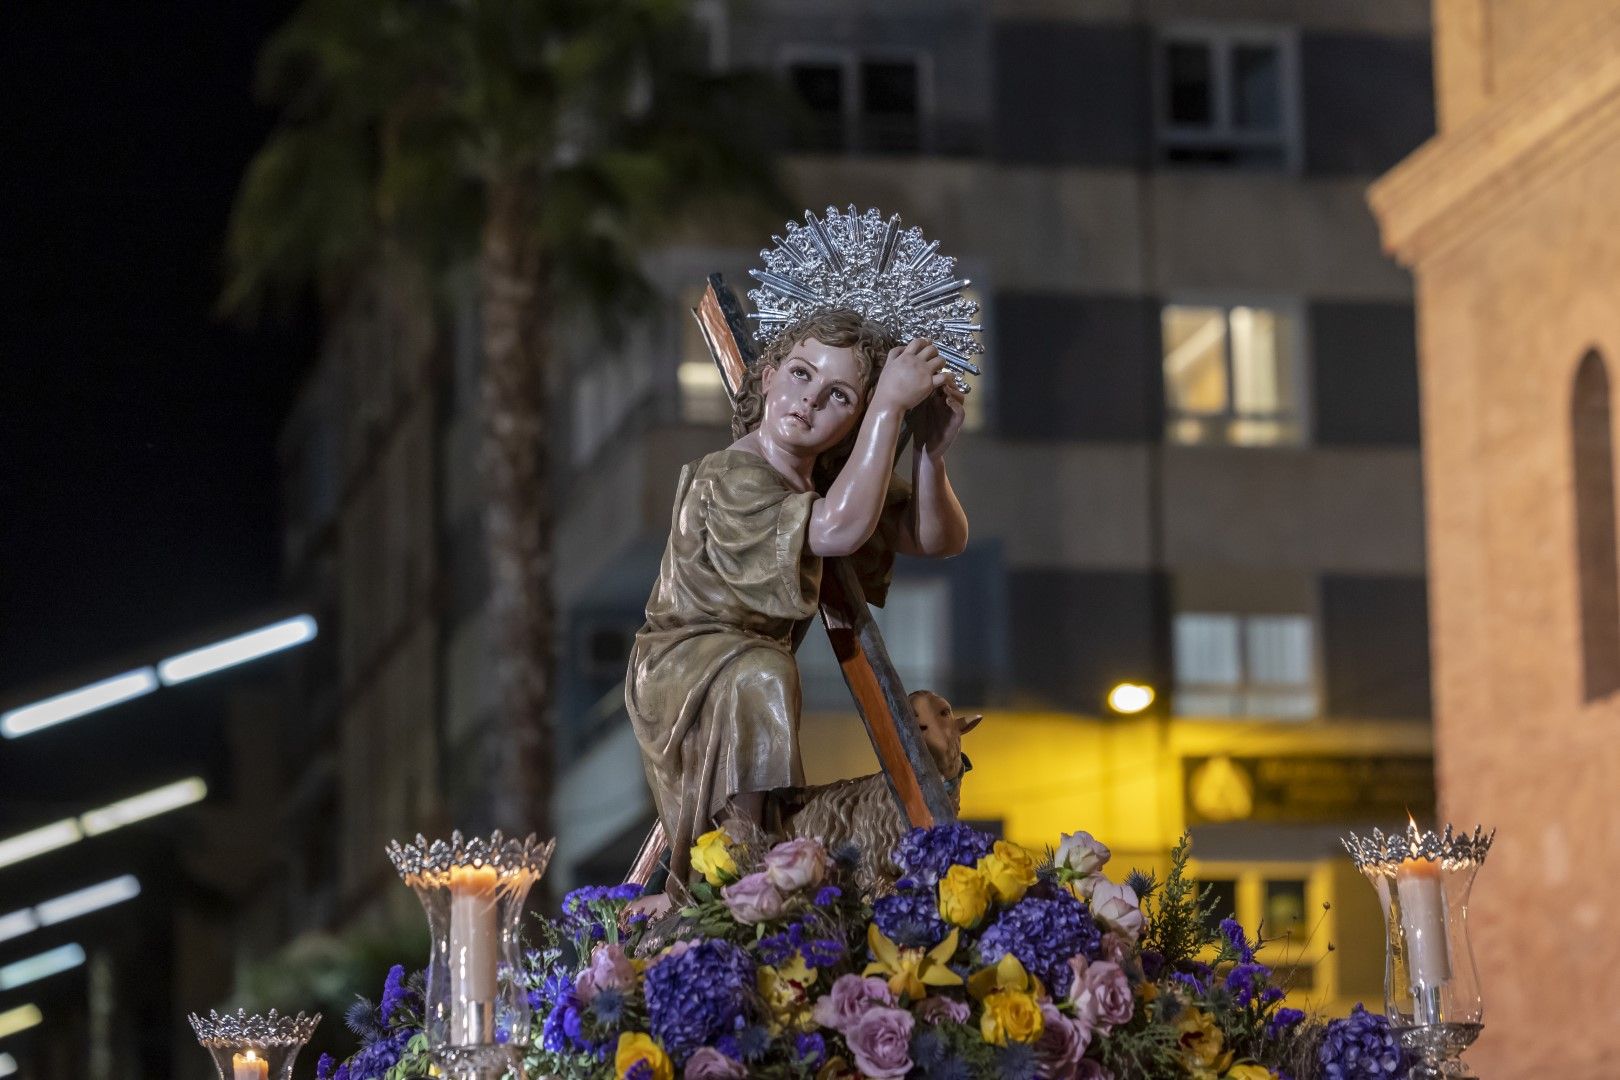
[880, 697]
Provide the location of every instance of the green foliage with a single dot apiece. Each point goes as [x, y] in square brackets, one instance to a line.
[1178, 914]
[586, 128]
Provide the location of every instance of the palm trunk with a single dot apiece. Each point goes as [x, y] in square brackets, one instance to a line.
[518, 519]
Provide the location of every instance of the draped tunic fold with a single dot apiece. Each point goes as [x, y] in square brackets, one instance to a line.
[713, 690]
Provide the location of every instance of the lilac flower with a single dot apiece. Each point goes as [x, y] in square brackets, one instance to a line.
[1043, 934]
[1271, 995]
[910, 920]
[324, 1066]
[810, 1050]
[695, 996]
[395, 993]
[1361, 1047]
[827, 894]
[817, 952]
[925, 854]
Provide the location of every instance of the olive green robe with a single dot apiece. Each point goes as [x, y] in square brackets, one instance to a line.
[713, 689]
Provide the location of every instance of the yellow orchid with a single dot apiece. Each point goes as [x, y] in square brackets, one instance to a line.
[911, 971]
[1005, 975]
[1249, 1071]
[1201, 1043]
[786, 991]
[711, 857]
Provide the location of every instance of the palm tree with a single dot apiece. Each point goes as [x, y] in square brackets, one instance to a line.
[541, 144]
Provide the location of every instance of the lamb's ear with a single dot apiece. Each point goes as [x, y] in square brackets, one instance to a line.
[968, 723]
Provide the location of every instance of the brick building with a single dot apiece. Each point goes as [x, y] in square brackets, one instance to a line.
[1508, 220]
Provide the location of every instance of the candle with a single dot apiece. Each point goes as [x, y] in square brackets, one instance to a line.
[249, 1066]
[1422, 897]
[474, 950]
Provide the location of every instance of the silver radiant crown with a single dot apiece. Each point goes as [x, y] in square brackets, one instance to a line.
[1384, 852]
[241, 1029]
[889, 273]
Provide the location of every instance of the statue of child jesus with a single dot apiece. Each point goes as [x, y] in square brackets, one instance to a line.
[713, 690]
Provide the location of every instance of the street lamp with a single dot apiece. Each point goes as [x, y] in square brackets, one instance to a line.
[1128, 698]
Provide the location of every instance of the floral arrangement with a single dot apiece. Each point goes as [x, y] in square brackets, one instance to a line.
[985, 961]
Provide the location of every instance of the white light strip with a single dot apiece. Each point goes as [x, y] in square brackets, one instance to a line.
[237, 650]
[21, 1018]
[42, 966]
[84, 901]
[8, 1065]
[139, 807]
[17, 924]
[39, 841]
[76, 703]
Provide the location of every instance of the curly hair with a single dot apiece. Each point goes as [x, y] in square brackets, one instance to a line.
[840, 328]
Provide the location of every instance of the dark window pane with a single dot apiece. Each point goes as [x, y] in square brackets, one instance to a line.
[821, 89]
[889, 106]
[1257, 87]
[1191, 89]
[1224, 893]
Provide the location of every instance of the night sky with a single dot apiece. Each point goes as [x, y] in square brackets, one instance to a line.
[137, 430]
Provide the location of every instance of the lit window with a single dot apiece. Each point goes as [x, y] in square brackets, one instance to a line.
[1231, 375]
[1227, 97]
[1244, 665]
[703, 392]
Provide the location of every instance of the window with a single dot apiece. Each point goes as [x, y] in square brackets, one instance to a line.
[1232, 374]
[1244, 665]
[1295, 910]
[872, 103]
[916, 626]
[702, 391]
[1227, 97]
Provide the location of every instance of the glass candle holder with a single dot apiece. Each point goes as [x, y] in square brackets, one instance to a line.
[1431, 986]
[477, 1012]
[254, 1047]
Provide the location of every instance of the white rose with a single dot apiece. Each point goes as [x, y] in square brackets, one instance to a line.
[1082, 853]
[1117, 907]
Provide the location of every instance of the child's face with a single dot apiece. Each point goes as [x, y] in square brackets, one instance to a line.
[813, 398]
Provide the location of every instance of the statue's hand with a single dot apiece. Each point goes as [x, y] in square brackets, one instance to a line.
[910, 374]
[939, 419]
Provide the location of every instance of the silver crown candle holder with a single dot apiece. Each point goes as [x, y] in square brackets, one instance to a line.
[251, 1046]
[477, 1013]
[1431, 987]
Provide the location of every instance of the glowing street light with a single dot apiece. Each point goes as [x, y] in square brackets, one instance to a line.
[17, 924]
[1129, 698]
[8, 1065]
[237, 650]
[76, 703]
[140, 807]
[21, 1018]
[41, 966]
[84, 901]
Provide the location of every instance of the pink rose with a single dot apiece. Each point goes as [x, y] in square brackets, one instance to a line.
[796, 864]
[1082, 853]
[938, 1009]
[752, 900]
[1108, 995]
[707, 1063]
[1116, 907]
[1091, 1069]
[609, 969]
[851, 998]
[1117, 948]
[1062, 1044]
[881, 1041]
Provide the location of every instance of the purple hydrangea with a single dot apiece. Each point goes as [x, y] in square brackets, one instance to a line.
[910, 919]
[1361, 1047]
[925, 854]
[1043, 934]
[695, 996]
[817, 952]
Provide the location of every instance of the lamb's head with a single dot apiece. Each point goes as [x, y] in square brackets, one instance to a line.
[942, 730]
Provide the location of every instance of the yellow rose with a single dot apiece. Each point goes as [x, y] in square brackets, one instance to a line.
[711, 857]
[634, 1048]
[1011, 1016]
[1249, 1072]
[1010, 870]
[964, 896]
